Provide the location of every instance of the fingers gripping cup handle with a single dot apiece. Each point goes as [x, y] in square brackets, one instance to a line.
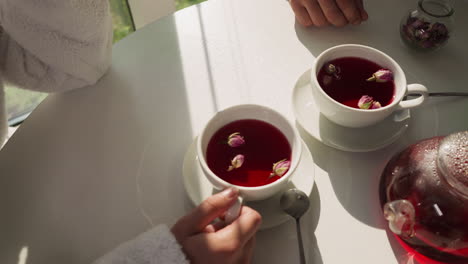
[233, 212]
[414, 89]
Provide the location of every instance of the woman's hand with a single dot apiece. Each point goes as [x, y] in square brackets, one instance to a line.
[207, 242]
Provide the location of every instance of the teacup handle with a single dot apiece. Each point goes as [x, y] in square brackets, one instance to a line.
[233, 212]
[414, 88]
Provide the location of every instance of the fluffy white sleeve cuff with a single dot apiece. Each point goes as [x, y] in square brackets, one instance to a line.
[157, 245]
[54, 45]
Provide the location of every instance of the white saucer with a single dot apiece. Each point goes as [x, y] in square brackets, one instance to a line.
[344, 138]
[199, 188]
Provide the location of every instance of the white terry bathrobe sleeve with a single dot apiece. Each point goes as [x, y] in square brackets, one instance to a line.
[52, 45]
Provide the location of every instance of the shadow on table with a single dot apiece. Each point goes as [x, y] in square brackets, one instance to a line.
[401, 255]
[355, 186]
[310, 222]
[282, 240]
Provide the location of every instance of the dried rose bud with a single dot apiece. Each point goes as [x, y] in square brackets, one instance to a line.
[439, 29]
[375, 105]
[439, 33]
[422, 34]
[381, 76]
[280, 168]
[415, 22]
[235, 140]
[236, 162]
[365, 102]
[331, 69]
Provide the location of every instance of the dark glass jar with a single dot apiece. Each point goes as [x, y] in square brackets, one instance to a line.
[429, 27]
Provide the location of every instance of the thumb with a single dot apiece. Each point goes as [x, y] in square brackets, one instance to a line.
[206, 212]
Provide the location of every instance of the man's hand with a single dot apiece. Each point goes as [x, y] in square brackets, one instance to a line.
[321, 13]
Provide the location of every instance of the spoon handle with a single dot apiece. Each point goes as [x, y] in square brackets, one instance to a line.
[299, 238]
[444, 94]
[448, 94]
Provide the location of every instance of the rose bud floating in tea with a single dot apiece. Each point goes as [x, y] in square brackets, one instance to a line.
[381, 75]
[235, 140]
[332, 70]
[280, 168]
[367, 102]
[236, 162]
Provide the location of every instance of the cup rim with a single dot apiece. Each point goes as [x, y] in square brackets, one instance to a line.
[392, 61]
[285, 177]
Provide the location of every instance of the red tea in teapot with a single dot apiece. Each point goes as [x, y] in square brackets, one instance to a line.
[424, 193]
[245, 153]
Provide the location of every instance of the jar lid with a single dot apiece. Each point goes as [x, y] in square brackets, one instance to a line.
[453, 161]
[436, 8]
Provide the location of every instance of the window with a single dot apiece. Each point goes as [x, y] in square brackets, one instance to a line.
[19, 103]
[121, 18]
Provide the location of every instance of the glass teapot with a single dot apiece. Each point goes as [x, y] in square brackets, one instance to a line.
[424, 194]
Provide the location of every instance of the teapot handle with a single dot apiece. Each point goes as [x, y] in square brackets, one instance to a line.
[401, 217]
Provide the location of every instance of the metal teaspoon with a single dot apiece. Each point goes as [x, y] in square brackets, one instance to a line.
[295, 203]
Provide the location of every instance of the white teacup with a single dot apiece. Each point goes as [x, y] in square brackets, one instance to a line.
[257, 112]
[354, 117]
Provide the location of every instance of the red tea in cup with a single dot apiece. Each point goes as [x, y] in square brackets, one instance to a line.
[350, 82]
[261, 145]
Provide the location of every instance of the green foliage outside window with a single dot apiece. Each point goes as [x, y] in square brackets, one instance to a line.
[121, 19]
[185, 3]
[19, 102]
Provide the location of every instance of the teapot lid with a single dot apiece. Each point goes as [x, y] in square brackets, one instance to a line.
[453, 161]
